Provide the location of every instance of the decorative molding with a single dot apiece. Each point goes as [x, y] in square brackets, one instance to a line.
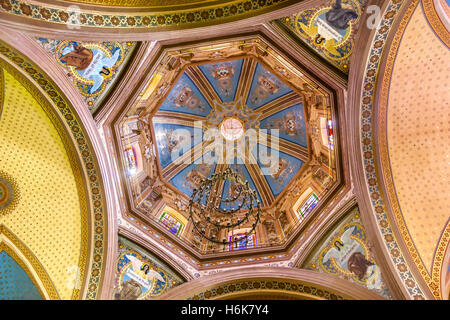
[429, 8]
[405, 280]
[165, 18]
[433, 282]
[251, 280]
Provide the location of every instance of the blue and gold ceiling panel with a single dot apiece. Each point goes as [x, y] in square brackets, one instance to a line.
[279, 173]
[290, 122]
[233, 97]
[229, 189]
[172, 141]
[189, 178]
[185, 97]
[224, 77]
[265, 88]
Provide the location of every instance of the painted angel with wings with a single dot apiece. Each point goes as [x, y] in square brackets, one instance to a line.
[343, 248]
[142, 273]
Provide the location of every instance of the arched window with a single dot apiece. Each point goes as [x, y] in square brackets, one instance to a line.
[326, 126]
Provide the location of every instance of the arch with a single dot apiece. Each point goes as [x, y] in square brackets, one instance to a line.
[18, 251]
[367, 102]
[46, 83]
[298, 283]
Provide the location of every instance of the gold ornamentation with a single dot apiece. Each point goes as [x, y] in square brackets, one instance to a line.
[2, 91]
[31, 258]
[51, 103]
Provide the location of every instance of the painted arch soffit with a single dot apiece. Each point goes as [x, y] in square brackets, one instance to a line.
[186, 88]
[93, 67]
[406, 264]
[47, 192]
[426, 242]
[76, 16]
[58, 108]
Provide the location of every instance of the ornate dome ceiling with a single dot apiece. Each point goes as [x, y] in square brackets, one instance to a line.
[307, 101]
[237, 104]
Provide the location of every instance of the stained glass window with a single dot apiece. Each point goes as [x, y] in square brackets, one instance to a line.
[330, 133]
[130, 161]
[308, 205]
[171, 223]
[244, 243]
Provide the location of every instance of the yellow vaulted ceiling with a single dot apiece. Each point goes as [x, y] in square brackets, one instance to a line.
[48, 215]
[419, 134]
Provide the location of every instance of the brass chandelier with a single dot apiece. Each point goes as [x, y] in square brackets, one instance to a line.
[241, 208]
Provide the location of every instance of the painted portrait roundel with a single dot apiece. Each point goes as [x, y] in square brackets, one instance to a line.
[330, 28]
[138, 278]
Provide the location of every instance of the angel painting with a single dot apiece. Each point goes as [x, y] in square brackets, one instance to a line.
[141, 273]
[348, 255]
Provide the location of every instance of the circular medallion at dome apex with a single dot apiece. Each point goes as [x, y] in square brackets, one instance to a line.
[231, 128]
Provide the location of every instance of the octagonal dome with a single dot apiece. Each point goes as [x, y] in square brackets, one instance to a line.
[232, 96]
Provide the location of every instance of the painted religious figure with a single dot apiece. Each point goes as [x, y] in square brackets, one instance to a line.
[138, 278]
[348, 255]
[90, 63]
[330, 29]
